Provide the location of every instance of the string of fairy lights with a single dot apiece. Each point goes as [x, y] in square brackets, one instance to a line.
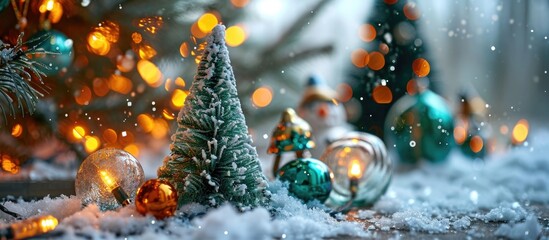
[102, 40]
[78, 125]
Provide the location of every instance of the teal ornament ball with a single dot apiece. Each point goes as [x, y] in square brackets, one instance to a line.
[420, 126]
[4, 4]
[57, 43]
[308, 179]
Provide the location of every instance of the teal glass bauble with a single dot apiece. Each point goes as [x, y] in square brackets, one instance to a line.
[4, 4]
[420, 126]
[57, 43]
[308, 179]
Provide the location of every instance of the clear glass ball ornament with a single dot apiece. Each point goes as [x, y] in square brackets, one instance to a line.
[105, 170]
[359, 157]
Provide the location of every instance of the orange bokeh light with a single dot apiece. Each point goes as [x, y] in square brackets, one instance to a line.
[83, 97]
[78, 132]
[120, 84]
[146, 122]
[411, 87]
[476, 144]
[160, 129]
[100, 87]
[146, 51]
[110, 136]
[150, 73]
[345, 92]
[390, 2]
[168, 115]
[421, 67]
[235, 35]
[520, 131]
[17, 130]
[98, 43]
[367, 32]
[262, 97]
[180, 82]
[240, 3]
[377, 61]
[411, 11]
[360, 58]
[184, 49]
[92, 143]
[207, 22]
[132, 149]
[54, 8]
[46, 5]
[151, 24]
[196, 32]
[110, 30]
[9, 164]
[125, 138]
[382, 94]
[56, 13]
[460, 134]
[136, 37]
[384, 48]
[178, 98]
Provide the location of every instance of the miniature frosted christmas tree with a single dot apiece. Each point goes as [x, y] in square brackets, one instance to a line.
[212, 159]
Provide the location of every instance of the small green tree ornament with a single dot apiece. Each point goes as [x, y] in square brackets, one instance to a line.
[212, 159]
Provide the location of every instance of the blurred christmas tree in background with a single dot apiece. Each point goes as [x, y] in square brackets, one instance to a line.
[385, 69]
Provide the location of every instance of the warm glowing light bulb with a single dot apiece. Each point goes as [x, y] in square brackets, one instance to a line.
[108, 180]
[114, 188]
[33, 227]
[46, 6]
[355, 171]
[49, 5]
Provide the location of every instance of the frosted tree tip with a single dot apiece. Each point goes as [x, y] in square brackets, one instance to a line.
[218, 33]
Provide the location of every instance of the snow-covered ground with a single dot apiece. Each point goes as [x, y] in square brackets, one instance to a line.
[505, 191]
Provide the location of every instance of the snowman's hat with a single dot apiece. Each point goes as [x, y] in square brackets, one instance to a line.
[317, 91]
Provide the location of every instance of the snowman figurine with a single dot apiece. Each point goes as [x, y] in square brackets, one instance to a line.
[327, 117]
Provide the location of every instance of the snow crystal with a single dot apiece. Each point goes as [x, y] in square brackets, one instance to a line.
[59, 207]
[226, 223]
[529, 229]
[365, 214]
[505, 214]
[462, 223]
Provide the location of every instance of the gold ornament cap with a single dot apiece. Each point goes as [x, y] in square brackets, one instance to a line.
[291, 134]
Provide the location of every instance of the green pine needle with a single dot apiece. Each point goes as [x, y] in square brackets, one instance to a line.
[17, 90]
